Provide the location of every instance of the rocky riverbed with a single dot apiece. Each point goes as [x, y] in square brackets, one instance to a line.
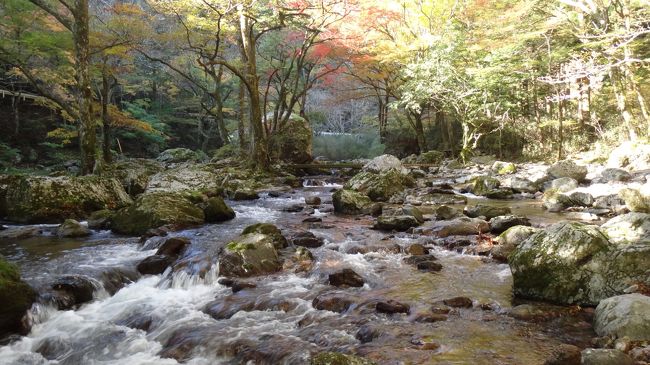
[494, 263]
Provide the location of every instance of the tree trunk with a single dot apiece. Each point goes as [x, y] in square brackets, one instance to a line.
[15, 101]
[419, 132]
[560, 134]
[621, 103]
[106, 127]
[87, 128]
[241, 125]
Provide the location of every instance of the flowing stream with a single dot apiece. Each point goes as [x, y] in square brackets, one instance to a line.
[162, 320]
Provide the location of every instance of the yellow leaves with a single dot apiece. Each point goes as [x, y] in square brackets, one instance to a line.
[120, 119]
[62, 135]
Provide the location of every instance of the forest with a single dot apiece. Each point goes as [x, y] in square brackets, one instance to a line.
[325, 182]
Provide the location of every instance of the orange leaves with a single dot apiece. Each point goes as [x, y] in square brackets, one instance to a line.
[120, 119]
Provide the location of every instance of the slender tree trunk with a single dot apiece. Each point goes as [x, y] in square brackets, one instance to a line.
[106, 127]
[15, 101]
[419, 132]
[560, 117]
[241, 125]
[87, 128]
[621, 103]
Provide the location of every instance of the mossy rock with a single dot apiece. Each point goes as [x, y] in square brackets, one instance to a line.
[279, 241]
[40, 199]
[227, 151]
[337, 358]
[380, 187]
[216, 210]
[152, 210]
[188, 178]
[16, 298]
[133, 173]
[574, 263]
[504, 168]
[176, 155]
[432, 157]
[249, 255]
[482, 185]
[294, 142]
[350, 202]
[635, 201]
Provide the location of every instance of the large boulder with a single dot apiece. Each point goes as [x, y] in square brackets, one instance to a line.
[133, 173]
[573, 263]
[216, 210]
[152, 210]
[384, 163]
[195, 177]
[249, 255]
[16, 298]
[628, 228]
[294, 142]
[177, 155]
[350, 202]
[40, 199]
[567, 168]
[381, 178]
[624, 316]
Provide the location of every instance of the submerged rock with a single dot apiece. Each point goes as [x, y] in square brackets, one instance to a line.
[72, 228]
[458, 302]
[152, 210]
[338, 303]
[392, 306]
[573, 263]
[16, 298]
[39, 199]
[346, 278]
[337, 358]
[624, 316]
[249, 255]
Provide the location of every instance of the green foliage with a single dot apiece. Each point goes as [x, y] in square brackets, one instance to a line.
[8, 155]
[338, 147]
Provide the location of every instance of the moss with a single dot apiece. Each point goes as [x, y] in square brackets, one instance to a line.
[337, 358]
[508, 168]
[279, 241]
[16, 298]
[350, 202]
[380, 186]
[240, 246]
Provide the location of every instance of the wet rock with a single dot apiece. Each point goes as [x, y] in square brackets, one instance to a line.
[502, 223]
[346, 278]
[440, 309]
[509, 240]
[153, 210]
[306, 239]
[20, 232]
[245, 194]
[567, 168]
[40, 199]
[392, 306]
[338, 303]
[226, 307]
[482, 185]
[312, 220]
[521, 185]
[72, 228]
[312, 200]
[458, 302]
[397, 223]
[173, 246]
[138, 321]
[301, 261]
[564, 184]
[16, 298]
[117, 278]
[392, 248]
[279, 241]
[527, 312]
[445, 212]
[429, 317]
[79, 289]
[615, 175]
[605, 357]
[294, 208]
[416, 259]
[336, 358]
[564, 354]
[429, 266]
[249, 255]
[216, 210]
[624, 316]
[154, 265]
[487, 211]
[381, 178]
[238, 286]
[350, 202]
[504, 168]
[367, 333]
[417, 249]
[575, 263]
[462, 226]
[100, 219]
[177, 155]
